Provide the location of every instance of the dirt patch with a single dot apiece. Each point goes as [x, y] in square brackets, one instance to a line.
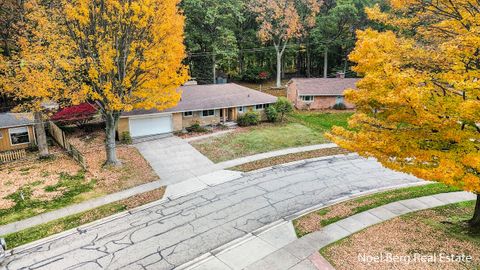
[316, 220]
[134, 171]
[263, 163]
[423, 233]
[143, 198]
[36, 174]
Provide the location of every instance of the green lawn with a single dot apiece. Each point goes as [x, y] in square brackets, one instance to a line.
[72, 187]
[428, 232]
[56, 226]
[300, 129]
[321, 122]
[325, 216]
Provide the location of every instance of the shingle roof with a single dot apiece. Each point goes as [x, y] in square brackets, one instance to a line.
[213, 96]
[15, 119]
[324, 87]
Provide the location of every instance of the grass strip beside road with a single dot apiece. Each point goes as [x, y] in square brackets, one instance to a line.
[325, 216]
[443, 230]
[268, 162]
[53, 227]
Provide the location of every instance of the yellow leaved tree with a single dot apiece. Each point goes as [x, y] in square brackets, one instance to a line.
[35, 61]
[130, 53]
[418, 105]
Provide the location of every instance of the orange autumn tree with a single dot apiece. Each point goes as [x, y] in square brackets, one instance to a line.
[131, 55]
[282, 20]
[34, 65]
[418, 105]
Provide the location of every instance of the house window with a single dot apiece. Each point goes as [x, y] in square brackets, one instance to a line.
[19, 135]
[207, 113]
[241, 109]
[339, 100]
[1, 135]
[260, 107]
[307, 98]
[188, 114]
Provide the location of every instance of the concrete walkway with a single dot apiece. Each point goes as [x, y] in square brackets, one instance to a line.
[210, 135]
[77, 208]
[173, 231]
[243, 160]
[277, 247]
[174, 160]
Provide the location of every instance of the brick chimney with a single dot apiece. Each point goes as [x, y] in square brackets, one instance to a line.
[340, 75]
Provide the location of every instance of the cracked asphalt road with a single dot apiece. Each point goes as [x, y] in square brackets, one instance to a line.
[171, 233]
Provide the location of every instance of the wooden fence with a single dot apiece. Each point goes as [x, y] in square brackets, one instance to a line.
[12, 155]
[59, 136]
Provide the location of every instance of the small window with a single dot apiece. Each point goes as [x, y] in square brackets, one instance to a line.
[260, 107]
[241, 109]
[208, 113]
[188, 114]
[339, 100]
[1, 135]
[307, 98]
[19, 135]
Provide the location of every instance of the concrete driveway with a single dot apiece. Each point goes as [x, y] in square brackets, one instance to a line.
[175, 160]
[167, 234]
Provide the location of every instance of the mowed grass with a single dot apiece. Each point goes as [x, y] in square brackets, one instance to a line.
[321, 121]
[299, 129]
[325, 216]
[258, 139]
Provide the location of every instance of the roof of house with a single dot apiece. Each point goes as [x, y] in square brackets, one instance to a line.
[213, 96]
[15, 119]
[324, 87]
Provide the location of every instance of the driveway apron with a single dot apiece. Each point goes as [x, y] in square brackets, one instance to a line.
[175, 160]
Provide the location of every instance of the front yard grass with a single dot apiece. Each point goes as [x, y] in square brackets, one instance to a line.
[300, 129]
[263, 163]
[257, 139]
[321, 121]
[41, 231]
[32, 187]
[427, 232]
[325, 216]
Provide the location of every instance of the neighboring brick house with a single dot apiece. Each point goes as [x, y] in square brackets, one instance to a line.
[16, 131]
[203, 104]
[319, 93]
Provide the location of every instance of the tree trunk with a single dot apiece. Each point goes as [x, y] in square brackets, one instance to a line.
[41, 136]
[214, 69]
[308, 65]
[325, 63]
[111, 121]
[475, 221]
[279, 68]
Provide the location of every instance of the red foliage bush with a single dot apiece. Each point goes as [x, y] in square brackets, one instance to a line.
[75, 115]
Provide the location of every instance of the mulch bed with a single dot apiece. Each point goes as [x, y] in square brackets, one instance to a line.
[263, 163]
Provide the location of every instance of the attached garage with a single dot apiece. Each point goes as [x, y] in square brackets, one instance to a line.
[150, 125]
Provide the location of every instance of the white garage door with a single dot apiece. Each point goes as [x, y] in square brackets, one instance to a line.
[150, 126]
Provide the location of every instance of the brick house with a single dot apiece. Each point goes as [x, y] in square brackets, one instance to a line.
[319, 93]
[203, 104]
